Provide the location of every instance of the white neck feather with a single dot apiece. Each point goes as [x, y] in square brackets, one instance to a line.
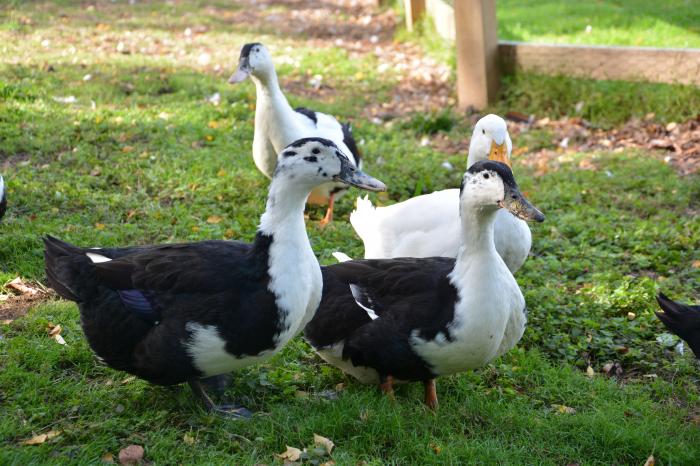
[295, 275]
[270, 97]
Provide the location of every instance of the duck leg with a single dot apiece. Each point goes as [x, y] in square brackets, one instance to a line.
[329, 213]
[431, 400]
[386, 383]
[230, 410]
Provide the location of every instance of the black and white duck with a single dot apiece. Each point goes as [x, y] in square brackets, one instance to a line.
[277, 124]
[681, 319]
[180, 312]
[413, 319]
[3, 198]
[429, 225]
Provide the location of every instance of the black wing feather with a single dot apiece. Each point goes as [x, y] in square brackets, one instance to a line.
[407, 294]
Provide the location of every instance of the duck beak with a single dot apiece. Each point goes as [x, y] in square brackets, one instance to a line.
[499, 153]
[242, 72]
[515, 203]
[354, 177]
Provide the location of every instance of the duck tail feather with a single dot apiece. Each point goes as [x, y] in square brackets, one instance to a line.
[60, 261]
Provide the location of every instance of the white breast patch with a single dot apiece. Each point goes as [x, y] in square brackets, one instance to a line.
[208, 351]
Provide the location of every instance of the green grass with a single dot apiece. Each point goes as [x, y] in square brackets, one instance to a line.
[673, 23]
[153, 161]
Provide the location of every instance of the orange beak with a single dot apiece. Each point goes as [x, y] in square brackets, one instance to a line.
[499, 153]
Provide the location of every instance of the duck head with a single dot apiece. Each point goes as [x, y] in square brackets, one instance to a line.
[314, 161]
[255, 60]
[490, 141]
[489, 185]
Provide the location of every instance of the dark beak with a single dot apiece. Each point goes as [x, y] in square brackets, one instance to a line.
[354, 177]
[241, 73]
[516, 204]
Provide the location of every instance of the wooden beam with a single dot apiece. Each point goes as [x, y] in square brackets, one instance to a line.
[414, 10]
[602, 62]
[477, 52]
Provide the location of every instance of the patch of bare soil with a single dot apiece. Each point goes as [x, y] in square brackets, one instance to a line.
[20, 297]
[674, 143]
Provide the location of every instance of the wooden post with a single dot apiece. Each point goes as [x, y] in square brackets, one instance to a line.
[477, 52]
[414, 10]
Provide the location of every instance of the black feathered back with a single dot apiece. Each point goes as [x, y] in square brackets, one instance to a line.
[681, 319]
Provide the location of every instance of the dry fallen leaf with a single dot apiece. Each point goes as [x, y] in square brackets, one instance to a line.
[651, 461]
[214, 219]
[324, 442]
[188, 439]
[42, 438]
[55, 333]
[19, 285]
[107, 458]
[696, 264]
[128, 379]
[132, 454]
[291, 454]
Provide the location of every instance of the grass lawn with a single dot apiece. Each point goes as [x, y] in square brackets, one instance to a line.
[673, 23]
[142, 155]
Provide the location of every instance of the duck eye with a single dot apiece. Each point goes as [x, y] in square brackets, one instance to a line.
[315, 150]
[486, 176]
[483, 131]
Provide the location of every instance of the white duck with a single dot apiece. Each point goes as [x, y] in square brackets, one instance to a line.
[277, 124]
[413, 319]
[428, 225]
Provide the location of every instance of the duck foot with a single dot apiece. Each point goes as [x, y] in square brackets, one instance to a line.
[329, 213]
[217, 384]
[227, 410]
[430, 400]
[387, 386]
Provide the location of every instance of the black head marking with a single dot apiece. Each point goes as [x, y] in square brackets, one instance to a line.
[245, 51]
[289, 153]
[302, 142]
[498, 167]
[311, 158]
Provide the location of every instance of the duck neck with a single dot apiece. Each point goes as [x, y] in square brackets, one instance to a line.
[269, 95]
[477, 233]
[284, 211]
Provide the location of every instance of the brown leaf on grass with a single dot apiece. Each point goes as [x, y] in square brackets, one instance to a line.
[696, 264]
[133, 454]
[651, 461]
[42, 438]
[324, 442]
[214, 219]
[19, 285]
[291, 454]
[188, 439]
[107, 458]
[55, 333]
